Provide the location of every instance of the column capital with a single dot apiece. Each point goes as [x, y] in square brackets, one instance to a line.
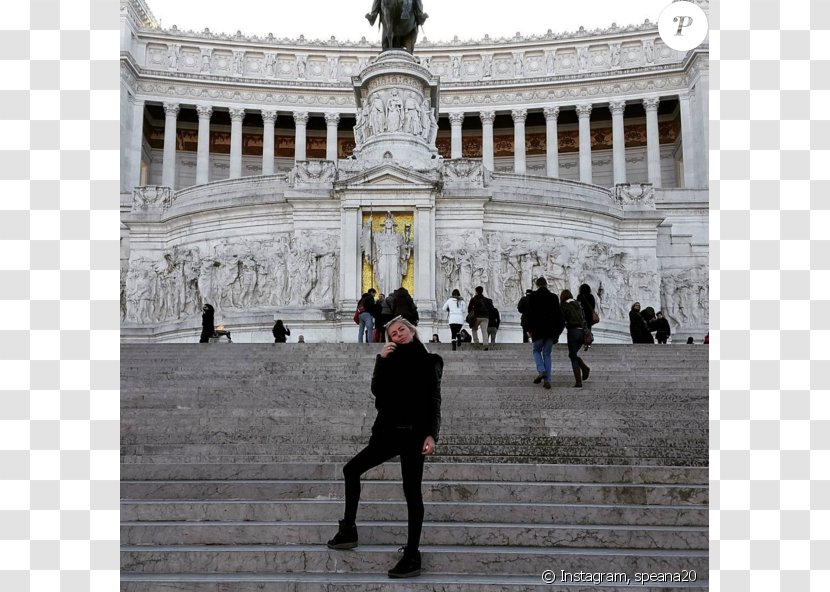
[300, 117]
[456, 118]
[237, 114]
[551, 113]
[332, 118]
[583, 111]
[487, 117]
[651, 104]
[135, 101]
[616, 107]
[519, 115]
[269, 116]
[172, 109]
[204, 111]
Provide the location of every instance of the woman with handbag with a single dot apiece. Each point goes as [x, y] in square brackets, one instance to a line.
[577, 329]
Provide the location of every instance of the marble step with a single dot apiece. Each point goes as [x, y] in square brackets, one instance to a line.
[129, 456]
[432, 472]
[378, 582]
[434, 533]
[484, 491]
[374, 510]
[528, 561]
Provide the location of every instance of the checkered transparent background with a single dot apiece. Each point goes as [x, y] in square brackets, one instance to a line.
[770, 284]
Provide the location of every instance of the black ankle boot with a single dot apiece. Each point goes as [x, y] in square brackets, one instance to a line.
[346, 537]
[584, 368]
[409, 566]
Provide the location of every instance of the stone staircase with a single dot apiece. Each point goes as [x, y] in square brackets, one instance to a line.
[232, 458]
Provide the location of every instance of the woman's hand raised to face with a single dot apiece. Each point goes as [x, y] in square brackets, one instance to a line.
[387, 349]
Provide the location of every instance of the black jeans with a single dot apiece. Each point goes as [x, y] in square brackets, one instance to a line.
[454, 329]
[384, 445]
[575, 342]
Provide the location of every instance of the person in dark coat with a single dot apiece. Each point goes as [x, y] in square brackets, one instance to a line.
[481, 309]
[661, 325]
[589, 306]
[377, 313]
[207, 324]
[406, 384]
[545, 324]
[576, 327]
[280, 331]
[404, 306]
[638, 328]
[522, 308]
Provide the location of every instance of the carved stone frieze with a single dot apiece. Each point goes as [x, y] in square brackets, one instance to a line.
[465, 170]
[636, 194]
[312, 172]
[152, 197]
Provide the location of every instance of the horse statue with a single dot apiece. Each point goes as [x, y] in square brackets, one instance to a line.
[399, 20]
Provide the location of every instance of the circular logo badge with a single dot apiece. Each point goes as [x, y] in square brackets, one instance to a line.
[683, 25]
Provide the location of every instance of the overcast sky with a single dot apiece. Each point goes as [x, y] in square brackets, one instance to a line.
[469, 19]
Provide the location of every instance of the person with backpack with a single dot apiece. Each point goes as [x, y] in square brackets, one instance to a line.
[478, 315]
[363, 316]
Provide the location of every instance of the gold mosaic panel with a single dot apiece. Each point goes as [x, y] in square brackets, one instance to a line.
[401, 220]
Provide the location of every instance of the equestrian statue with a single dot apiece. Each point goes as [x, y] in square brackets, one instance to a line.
[399, 20]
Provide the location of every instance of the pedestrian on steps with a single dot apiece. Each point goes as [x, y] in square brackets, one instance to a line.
[456, 310]
[280, 331]
[544, 325]
[576, 326]
[406, 384]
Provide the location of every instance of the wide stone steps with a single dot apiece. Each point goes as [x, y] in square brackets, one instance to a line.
[378, 510]
[264, 582]
[497, 560]
[232, 464]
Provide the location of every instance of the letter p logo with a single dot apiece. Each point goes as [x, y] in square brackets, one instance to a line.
[683, 26]
[682, 21]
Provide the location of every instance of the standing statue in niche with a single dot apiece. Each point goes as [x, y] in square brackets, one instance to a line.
[377, 116]
[487, 66]
[394, 112]
[412, 117]
[389, 254]
[399, 20]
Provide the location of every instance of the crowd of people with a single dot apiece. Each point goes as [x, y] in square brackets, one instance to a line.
[642, 323]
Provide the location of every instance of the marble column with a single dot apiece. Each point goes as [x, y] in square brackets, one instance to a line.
[237, 115]
[203, 145]
[487, 118]
[136, 145]
[268, 119]
[688, 139]
[618, 142]
[552, 140]
[655, 174]
[456, 120]
[350, 260]
[168, 170]
[300, 122]
[332, 119]
[583, 112]
[519, 150]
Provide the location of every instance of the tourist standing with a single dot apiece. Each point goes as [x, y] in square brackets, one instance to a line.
[638, 328]
[522, 308]
[207, 324]
[493, 321]
[406, 384]
[377, 313]
[366, 322]
[386, 315]
[545, 324]
[577, 327]
[661, 325]
[480, 310]
[456, 310]
[280, 332]
[404, 306]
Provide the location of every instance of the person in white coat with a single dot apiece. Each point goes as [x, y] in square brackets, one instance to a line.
[456, 312]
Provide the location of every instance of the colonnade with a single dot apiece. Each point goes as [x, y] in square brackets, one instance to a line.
[456, 119]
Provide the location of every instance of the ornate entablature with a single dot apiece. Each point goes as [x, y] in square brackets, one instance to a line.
[517, 70]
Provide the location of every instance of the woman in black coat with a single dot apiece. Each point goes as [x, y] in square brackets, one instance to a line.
[589, 304]
[280, 331]
[640, 332]
[207, 324]
[406, 384]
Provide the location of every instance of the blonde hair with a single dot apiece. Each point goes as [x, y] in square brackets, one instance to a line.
[405, 323]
